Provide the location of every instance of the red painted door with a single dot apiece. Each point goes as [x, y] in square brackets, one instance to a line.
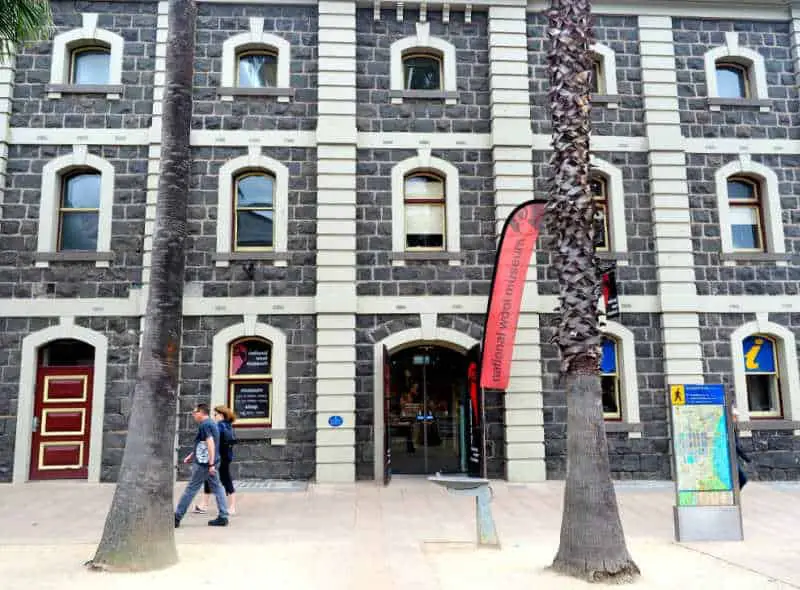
[61, 423]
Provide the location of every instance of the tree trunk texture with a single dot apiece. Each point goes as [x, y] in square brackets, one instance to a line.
[139, 532]
[592, 543]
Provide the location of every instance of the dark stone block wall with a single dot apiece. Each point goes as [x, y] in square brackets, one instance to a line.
[12, 332]
[636, 458]
[375, 273]
[299, 276]
[639, 277]
[375, 110]
[775, 453]
[693, 38]
[620, 33]
[752, 278]
[135, 22]
[218, 22]
[19, 224]
[255, 459]
[374, 328]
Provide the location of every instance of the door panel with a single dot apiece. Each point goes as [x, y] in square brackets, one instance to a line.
[61, 423]
[475, 420]
[387, 408]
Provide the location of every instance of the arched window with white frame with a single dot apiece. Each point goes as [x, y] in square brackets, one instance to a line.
[750, 211]
[423, 66]
[256, 63]
[765, 371]
[604, 76]
[619, 379]
[736, 75]
[426, 216]
[608, 192]
[75, 211]
[87, 60]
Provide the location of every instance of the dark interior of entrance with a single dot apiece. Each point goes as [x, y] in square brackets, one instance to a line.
[427, 415]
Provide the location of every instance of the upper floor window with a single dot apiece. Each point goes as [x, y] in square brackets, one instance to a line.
[250, 381]
[762, 376]
[257, 69]
[90, 65]
[599, 187]
[732, 80]
[610, 379]
[424, 197]
[79, 211]
[422, 71]
[598, 84]
[254, 215]
[746, 214]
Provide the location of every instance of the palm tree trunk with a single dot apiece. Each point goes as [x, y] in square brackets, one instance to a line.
[139, 530]
[592, 541]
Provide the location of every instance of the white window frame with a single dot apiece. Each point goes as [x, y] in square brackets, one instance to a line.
[618, 240]
[608, 67]
[65, 43]
[734, 53]
[627, 374]
[250, 328]
[256, 39]
[49, 217]
[423, 161]
[422, 42]
[786, 349]
[770, 204]
[225, 208]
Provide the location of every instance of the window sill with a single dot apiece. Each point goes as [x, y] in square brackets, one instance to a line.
[400, 258]
[225, 258]
[276, 437]
[732, 258]
[633, 430]
[101, 259]
[767, 424]
[112, 91]
[715, 104]
[397, 96]
[611, 101]
[227, 93]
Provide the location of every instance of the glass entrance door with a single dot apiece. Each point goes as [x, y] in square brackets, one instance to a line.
[427, 428]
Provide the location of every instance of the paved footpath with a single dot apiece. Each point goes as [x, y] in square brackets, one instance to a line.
[410, 535]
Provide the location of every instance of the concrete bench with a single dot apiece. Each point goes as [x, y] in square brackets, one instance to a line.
[482, 491]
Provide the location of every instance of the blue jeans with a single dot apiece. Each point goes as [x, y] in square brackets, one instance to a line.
[200, 474]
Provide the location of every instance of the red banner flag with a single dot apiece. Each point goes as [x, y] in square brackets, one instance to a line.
[517, 242]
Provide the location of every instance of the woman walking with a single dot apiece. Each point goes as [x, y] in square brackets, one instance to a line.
[224, 417]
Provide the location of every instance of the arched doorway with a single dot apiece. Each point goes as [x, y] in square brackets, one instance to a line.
[428, 410]
[62, 410]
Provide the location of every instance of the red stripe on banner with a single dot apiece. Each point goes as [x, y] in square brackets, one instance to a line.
[517, 243]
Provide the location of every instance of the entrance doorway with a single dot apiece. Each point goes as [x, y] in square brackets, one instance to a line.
[62, 411]
[428, 411]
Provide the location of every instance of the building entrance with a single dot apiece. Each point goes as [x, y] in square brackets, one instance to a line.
[428, 411]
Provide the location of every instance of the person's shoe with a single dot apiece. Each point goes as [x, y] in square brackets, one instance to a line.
[218, 521]
[177, 521]
[199, 510]
[231, 511]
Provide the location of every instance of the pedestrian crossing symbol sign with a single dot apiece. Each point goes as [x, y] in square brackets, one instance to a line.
[677, 394]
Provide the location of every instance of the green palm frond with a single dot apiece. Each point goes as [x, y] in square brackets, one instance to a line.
[21, 21]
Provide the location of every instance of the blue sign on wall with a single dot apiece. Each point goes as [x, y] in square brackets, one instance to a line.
[759, 354]
[335, 421]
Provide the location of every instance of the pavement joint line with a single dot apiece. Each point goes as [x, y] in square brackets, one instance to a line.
[737, 565]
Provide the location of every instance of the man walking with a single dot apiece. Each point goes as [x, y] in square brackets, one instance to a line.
[206, 460]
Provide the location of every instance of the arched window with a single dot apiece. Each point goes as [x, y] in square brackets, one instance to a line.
[761, 367]
[79, 211]
[599, 186]
[425, 216]
[257, 68]
[733, 80]
[598, 83]
[422, 71]
[746, 214]
[610, 380]
[254, 213]
[250, 381]
[90, 64]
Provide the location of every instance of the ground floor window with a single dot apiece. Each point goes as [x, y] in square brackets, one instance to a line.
[250, 381]
[762, 375]
[610, 380]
